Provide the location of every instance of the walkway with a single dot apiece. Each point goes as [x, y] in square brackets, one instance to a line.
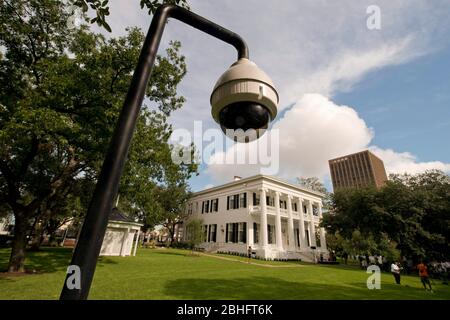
[252, 263]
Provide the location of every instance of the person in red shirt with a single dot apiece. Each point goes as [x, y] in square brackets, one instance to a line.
[423, 274]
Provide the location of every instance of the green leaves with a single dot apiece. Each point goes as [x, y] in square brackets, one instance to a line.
[101, 8]
[61, 93]
[101, 11]
[411, 210]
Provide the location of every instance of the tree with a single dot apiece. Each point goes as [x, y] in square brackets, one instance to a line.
[336, 243]
[312, 183]
[165, 206]
[194, 232]
[62, 90]
[101, 8]
[410, 213]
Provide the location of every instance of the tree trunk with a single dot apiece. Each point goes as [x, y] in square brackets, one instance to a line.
[38, 238]
[171, 230]
[17, 258]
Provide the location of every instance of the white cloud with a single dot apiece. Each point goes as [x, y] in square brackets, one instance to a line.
[405, 162]
[316, 130]
[347, 68]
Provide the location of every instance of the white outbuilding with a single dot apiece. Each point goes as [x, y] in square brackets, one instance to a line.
[122, 235]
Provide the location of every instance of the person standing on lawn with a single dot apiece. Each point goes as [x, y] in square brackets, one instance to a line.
[395, 270]
[249, 254]
[423, 274]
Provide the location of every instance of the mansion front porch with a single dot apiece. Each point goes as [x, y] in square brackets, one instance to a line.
[274, 232]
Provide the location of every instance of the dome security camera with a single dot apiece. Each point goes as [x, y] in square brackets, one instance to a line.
[244, 98]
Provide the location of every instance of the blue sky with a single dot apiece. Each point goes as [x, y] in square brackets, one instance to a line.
[408, 105]
[343, 88]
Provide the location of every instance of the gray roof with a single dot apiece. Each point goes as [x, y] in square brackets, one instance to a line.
[116, 215]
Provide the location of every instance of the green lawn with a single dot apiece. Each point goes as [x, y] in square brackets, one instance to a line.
[174, 274]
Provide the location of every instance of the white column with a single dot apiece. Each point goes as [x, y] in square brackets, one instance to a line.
[136, 243]
[250, 240]
[301, 224]
[323, 243]
[278, 234]
[263, 223]
[312, 227]
[290, 224]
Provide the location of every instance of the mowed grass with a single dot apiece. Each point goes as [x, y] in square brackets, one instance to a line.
[175, 274]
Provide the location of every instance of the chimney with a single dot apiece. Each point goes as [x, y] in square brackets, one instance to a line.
[236, 178]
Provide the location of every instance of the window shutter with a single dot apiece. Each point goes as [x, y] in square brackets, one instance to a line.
[236, 201]
[217, 204]
[245, 200]
[226, 234]
[254, 198]
[203, 206]
[235, 232]
[245, 232]
[228, 203]
[267, 201]
[215, 233]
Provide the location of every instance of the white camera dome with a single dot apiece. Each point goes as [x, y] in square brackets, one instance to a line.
[244, 97]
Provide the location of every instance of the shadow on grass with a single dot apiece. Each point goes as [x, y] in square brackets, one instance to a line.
[43, 261]
[46, 260]
[257, 288]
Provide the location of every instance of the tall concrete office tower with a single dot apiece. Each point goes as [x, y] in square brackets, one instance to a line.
[357, 170]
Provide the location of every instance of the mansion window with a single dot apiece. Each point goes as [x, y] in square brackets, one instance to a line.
[305, 209]
[315, 210]
[297, 237]
[236, 232]
[307, 238]
[205, 206]
[283, 204]
[212, 233]
[204, 232]
[270, 201]
[210, 206]
[189, 208]
[256, 201]
[243, 200]
[294, 206]
[270, 233]
[237, 201]
[255, 232]
[214, 205]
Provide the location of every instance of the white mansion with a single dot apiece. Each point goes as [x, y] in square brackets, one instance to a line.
[282, 226]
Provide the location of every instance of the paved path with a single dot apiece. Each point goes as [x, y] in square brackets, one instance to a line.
[253, 263]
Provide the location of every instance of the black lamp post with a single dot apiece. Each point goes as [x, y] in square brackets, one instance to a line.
[93, 231]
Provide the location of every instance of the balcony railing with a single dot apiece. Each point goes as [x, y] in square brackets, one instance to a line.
[283, 212]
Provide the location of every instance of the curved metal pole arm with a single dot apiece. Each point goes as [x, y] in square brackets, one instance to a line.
[194, 20]
[84, 260]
